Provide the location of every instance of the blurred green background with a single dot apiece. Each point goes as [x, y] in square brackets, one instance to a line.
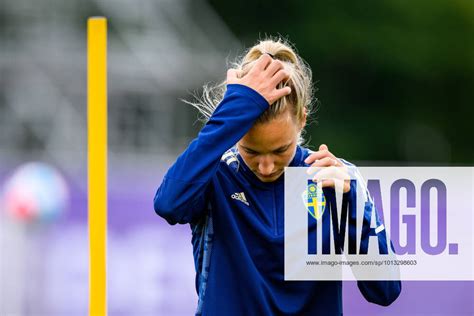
[395, 78]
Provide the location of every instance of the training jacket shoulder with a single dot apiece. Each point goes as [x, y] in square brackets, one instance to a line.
[237, 224]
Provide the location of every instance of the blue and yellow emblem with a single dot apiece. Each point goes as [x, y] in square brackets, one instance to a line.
[314, 200]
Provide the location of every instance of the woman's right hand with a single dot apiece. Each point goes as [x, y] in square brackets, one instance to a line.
[264, 76]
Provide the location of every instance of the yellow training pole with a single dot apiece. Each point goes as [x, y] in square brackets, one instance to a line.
[97, 161]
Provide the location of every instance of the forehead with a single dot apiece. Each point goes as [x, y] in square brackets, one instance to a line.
[271, 135]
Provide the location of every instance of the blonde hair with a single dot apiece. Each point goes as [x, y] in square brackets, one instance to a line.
[299, 101]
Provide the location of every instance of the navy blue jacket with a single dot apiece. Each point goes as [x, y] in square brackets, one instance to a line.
[237, 224]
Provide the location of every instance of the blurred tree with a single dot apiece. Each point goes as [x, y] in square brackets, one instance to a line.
[395, 78]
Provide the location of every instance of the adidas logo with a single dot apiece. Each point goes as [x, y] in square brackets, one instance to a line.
[240, 197]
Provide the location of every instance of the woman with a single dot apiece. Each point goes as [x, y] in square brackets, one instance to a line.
[228, 186]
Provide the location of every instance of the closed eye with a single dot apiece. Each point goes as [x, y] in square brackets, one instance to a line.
[250, 151]
[281, 150]
[278, 151]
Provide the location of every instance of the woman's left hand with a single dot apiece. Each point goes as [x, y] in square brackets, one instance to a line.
[325, 167]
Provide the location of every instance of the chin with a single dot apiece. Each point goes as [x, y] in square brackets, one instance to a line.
[270, 178]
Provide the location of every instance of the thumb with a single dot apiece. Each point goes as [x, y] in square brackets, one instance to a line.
[323, 147]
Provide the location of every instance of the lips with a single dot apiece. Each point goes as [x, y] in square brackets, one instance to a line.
[271, 175]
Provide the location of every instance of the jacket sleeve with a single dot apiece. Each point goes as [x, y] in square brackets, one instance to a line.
[378, 292]
[181, 197]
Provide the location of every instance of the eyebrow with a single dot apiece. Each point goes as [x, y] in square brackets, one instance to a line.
[281, 148]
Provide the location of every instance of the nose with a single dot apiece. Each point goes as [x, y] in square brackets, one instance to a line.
[266, 165]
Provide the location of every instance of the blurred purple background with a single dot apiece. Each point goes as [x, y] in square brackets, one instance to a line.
[150, 265]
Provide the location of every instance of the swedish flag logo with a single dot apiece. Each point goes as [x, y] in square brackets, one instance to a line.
[314, 200]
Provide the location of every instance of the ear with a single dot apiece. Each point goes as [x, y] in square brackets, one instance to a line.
[303, 120]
